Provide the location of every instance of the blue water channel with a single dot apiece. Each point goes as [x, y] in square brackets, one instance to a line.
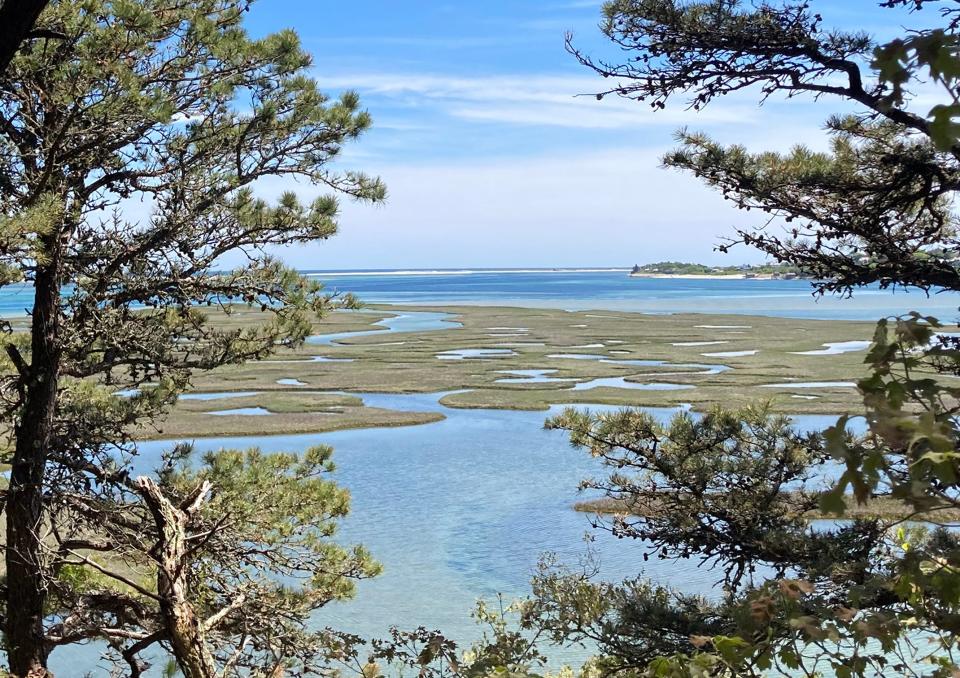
[456, 510]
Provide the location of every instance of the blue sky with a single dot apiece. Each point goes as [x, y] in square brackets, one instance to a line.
[489, 156]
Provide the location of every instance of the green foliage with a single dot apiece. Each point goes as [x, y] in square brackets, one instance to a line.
[134, 137]
[934, 53]
[875, 209]
[730, 489]
[262, 561]
[712, 488]
[266, 536]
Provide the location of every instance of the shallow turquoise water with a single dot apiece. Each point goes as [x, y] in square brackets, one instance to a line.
[456, 510]
[463, 508]
[615, 290]
[412, 321]
[609, 290]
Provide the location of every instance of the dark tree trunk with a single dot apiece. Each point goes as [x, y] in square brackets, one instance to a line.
[17, 17]
[26, 586]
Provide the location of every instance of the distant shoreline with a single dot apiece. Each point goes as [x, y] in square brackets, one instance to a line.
[458, 271]
[711, 276]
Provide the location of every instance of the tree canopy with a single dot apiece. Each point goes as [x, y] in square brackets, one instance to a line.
[133, 137]
[876, 207]
[865, 597]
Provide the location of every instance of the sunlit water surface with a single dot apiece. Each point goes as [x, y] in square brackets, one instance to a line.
[463, 508]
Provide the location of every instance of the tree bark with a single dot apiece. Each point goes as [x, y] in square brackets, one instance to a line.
[17, 17]
[26, 584]
[185, 630]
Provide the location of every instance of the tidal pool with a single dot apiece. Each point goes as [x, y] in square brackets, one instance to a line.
[837, 347]
[220, 395]
[704, 368]
[621, 382]
[243, 411]
[730, 354]
[480, 353]
[223, 395]
[407, 321]
[529, 377]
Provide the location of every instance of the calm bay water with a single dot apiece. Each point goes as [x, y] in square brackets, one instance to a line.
[462, 509]
[457, 510]
[609, 290]
[615, 290]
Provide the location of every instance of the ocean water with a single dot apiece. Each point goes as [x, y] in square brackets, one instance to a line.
[615, 290]
[604, 289]
[456, 511]
[462, 509]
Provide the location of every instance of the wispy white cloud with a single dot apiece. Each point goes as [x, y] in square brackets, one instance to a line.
[590, 116]
[558, 24]
[534, 99]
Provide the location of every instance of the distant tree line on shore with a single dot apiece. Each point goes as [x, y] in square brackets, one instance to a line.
[687, 268]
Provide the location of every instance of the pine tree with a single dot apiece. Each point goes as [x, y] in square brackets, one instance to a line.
[171, 111]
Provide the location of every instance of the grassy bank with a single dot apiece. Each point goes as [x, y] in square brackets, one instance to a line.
[703, 360]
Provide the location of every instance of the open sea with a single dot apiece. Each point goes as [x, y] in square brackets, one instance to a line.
[614, 290]
[607, 289]
[461, 509]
